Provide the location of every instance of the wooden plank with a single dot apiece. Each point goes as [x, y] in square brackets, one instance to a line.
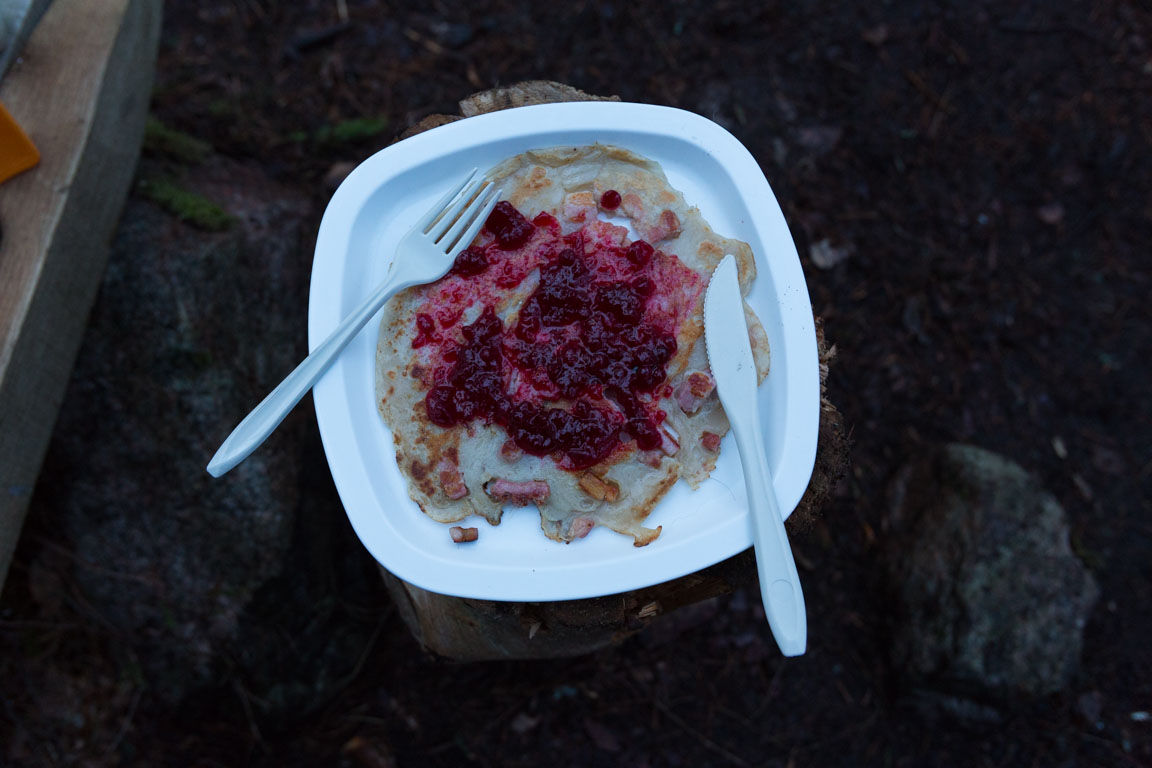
[473, 630]
[81, 92]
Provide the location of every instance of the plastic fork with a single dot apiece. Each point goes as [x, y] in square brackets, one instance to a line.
[424, 254]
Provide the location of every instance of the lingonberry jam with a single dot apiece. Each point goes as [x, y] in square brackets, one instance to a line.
[470, 261]
[639, 253]
[425, 330]
[509, 226]
[580, 369]
[610, 199]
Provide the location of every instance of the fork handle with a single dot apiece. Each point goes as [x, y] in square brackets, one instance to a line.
[264, 418]
[779, 581]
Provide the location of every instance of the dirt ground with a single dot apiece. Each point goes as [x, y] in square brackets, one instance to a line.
[980, 175]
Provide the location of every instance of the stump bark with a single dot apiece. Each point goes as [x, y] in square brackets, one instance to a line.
[465, 629]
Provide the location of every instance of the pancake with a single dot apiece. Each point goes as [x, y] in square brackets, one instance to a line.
[561, 363]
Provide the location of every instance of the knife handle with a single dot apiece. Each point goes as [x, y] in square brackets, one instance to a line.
[779, 581]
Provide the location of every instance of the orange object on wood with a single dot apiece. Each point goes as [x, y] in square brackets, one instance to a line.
[17, 152]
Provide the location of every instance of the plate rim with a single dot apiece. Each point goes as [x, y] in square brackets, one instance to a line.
[522, 123]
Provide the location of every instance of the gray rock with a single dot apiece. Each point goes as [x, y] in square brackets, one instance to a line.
[937, 706]
[1090, 706]
[990, 601]
[189, 332]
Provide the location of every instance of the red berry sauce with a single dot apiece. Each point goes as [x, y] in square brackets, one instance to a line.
[610, 200]
[579, 371]
[512, 230]
[470, 261]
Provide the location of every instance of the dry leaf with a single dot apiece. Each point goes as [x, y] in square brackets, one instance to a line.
[601, 736]
[367, 754]
[523, 723]
[820, 139]
[825, 255]
[877, 35]
[1053, 213]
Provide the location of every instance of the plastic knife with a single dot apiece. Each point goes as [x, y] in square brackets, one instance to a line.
[733, 367]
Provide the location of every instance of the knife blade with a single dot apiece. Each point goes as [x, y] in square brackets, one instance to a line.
[734, 369]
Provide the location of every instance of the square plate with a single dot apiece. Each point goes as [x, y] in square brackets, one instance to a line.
[356, 243]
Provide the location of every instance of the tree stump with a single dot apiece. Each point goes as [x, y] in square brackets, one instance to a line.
[465, 629]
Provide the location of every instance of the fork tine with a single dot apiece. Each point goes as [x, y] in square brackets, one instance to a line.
[436, 233]
[435, 211]
[482, 204]
[477, 223]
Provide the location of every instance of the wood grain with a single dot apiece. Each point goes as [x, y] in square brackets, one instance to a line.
[81, 92]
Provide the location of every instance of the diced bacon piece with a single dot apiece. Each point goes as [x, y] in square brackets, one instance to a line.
[651, 227]
[632, 206]
[579, 205]
[669, 440]
[667, 226]
[650, 458]
[511, 452]
[605, 234]
[701, 384]
[517, 492]
[575, 213]
[693, 391]
[581, 527]
[451, 481]
[461, 535]
[599, 488]
[710, 441]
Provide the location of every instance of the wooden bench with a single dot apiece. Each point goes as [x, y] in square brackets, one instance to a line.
[81, 92]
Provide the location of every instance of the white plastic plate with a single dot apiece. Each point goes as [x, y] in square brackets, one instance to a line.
[378, 203]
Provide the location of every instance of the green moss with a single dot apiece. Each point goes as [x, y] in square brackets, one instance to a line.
[181, 363]
[159, 139]
[1093, 560]
[131, 672]
[222, 108]
[187, 206]
[351, 130]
